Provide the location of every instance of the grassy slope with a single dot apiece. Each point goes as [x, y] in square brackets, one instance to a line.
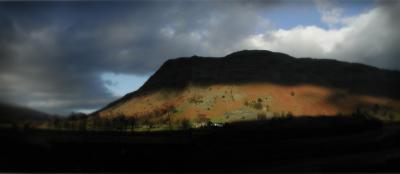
[228, 102]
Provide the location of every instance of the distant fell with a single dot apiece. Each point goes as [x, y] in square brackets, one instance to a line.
[10, 113]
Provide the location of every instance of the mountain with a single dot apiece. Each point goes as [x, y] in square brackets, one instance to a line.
[249, 83]
[16, 114]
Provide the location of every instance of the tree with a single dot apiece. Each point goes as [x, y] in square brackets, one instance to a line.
[57, 123]
[257, 106]
[131, 123]
[107, 124]
[289, 114]
[148, 122]
[202, 118]
[83, 122]
[261, 116]
[186, 124]
[119, 122]
[169, 121]
[97, 122]
[77, 121]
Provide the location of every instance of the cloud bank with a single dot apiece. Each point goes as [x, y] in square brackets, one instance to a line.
[52, 54]
[371, 38]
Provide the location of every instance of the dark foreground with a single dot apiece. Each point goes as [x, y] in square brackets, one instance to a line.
[299, 144]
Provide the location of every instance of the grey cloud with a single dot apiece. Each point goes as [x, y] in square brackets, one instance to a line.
[53, 53]
[376, 40]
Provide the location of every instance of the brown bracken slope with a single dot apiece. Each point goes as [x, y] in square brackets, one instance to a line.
[245, 84]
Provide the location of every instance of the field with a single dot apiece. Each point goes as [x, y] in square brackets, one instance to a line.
[312, 144]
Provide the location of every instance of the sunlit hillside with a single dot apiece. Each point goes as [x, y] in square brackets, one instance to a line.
[250, 85]
[240, 102]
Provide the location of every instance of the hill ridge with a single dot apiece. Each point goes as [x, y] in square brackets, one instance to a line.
[266, 67]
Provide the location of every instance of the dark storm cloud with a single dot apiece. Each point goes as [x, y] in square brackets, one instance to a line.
[53, 53]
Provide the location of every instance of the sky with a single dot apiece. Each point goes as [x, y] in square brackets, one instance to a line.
[63, 57]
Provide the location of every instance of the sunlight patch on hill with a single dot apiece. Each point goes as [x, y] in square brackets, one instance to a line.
[225, 103]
